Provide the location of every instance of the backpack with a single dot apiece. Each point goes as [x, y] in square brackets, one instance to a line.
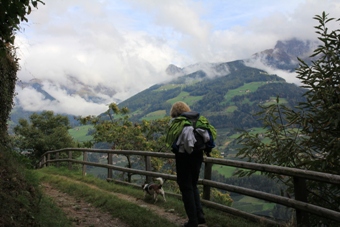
[200, 144]
[200, 125]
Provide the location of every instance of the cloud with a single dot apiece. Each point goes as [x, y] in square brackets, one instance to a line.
[31, 100]
[290, 77]
[127, 45]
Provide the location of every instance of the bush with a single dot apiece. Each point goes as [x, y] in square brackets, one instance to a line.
[19, 192]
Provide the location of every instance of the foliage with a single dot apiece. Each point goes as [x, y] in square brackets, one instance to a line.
[11, 14]
[126, 135]
[307, 137]
[43, 132]
[320, 118]
[220, 197]
[8, 70]
[19, 192]
[123, 134]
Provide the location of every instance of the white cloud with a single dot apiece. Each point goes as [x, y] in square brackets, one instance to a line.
[290, 77]
[127, 45]
[31, 100]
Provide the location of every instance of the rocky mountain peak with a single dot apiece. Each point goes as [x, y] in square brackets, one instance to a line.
[173, 70]
[285, 53]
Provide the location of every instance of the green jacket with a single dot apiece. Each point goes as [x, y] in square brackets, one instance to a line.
[177, 124]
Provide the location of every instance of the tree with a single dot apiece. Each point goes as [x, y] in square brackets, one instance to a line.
[117, 129]
[43, 132]
[320, 115]
[12, 12]
[19, 195]
[307, 137]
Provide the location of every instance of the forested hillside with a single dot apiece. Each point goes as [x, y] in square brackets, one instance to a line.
[229, 99]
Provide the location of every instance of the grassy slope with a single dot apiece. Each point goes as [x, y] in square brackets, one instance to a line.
[79, 133]
[190, 100]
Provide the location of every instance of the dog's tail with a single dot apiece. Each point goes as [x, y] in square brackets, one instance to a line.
[160, 180]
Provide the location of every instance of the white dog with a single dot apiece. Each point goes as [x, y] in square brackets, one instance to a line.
[154, 189]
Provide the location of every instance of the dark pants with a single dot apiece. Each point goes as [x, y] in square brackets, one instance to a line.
[188, 170]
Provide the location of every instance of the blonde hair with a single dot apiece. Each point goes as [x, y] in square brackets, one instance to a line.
[178, 108]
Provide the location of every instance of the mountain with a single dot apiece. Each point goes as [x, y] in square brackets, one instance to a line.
[284, 54]
[72, 86]
[227, 93]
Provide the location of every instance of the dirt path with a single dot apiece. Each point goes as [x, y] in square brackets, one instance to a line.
[81, 213]
[84, 214]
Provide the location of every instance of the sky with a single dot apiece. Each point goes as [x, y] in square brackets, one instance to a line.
[126, 45]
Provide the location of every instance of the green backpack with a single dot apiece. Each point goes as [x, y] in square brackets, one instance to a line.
[191, 119]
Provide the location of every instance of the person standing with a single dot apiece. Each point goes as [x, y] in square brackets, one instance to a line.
[189, 158]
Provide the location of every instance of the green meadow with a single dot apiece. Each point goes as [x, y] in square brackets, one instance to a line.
[80, 133]
[185, 97]
[252, 205]
[273, 101]
[168, 87]
[249, 87]
[155, 115]
[226, 171]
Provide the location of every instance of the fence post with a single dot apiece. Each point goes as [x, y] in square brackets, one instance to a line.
[207, 176]
[70, 158]
[147, 168]
[44, 161]
[48, 158]
[109, 161]
[84, 159]
[300, 191]
[57, 157]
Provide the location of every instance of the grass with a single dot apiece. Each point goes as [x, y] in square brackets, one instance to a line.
[226, 171]
[22, 201]
[185, 97]
[132, 214]
[257, 205]
[79, 133]
[253, 131]
[129, 213]
[51, 214]
[273, 101]
[155, 115]
[249, 87]
[231, 109]
[168, 87]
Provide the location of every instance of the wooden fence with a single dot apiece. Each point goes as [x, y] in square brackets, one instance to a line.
[299, 203]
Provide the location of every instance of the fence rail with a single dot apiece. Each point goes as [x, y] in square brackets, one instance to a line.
[299, 203]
